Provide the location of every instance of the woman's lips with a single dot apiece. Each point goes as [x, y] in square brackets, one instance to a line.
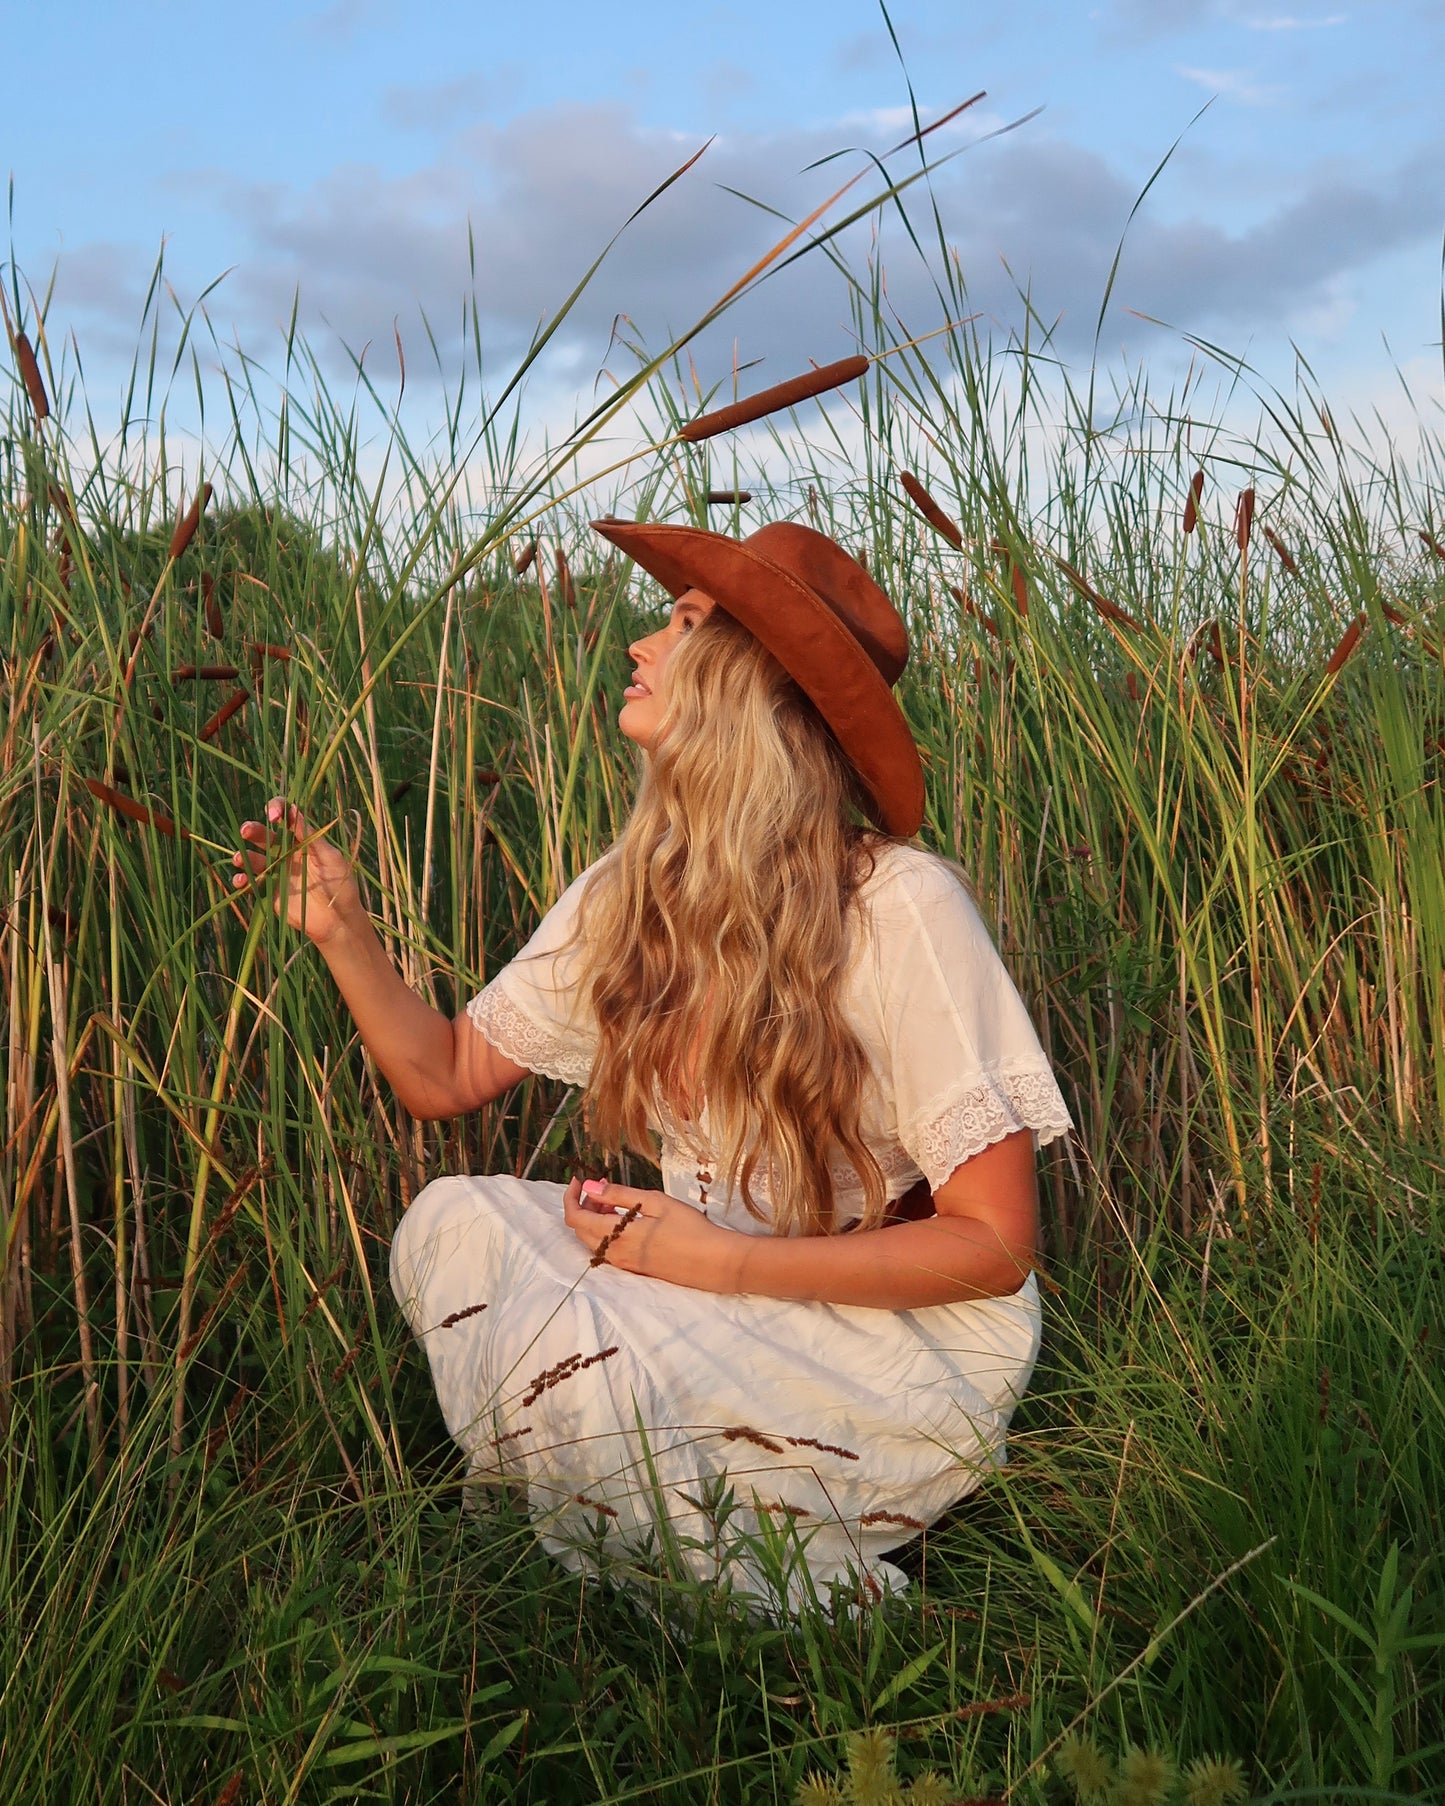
[635, 691]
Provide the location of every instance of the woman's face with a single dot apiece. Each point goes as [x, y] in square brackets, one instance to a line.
[645, 698]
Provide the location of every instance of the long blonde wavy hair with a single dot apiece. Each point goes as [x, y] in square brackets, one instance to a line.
[718, 933]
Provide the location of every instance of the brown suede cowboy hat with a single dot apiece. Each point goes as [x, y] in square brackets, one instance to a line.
[824, 620]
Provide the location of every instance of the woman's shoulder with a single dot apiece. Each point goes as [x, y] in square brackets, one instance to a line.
[907, 879]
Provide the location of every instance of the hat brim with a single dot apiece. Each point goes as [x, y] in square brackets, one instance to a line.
[808, 640]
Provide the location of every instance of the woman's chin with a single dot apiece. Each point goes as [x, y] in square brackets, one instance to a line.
[635, 720]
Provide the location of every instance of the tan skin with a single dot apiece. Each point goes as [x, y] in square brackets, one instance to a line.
[981, 1243]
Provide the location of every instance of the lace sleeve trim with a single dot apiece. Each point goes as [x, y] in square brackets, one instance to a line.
[1000, 1105]
[540, 1047]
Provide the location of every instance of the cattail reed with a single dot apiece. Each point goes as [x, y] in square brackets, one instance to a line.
[970, 607]
[1428, 539]
[186, 527]
[215, 626]
[1018, 582]
[1191, 507]
[1348, 642]
[1111, 611]
[30, 376]
[728, 498]
[565, 587]
[204, 673]
[261, 650]
[134, 811]
[930, 509]
[772, 401]
[1243, 518]
[525, 559]
[231, 706]
[1282, 550]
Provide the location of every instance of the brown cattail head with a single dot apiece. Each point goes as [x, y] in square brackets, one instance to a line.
[565, 587]
[1191, 507]
[203, 673]
[1111, 611]
[236, 701]
[186, 527]
[772, 401]
[1243, 518]
[215, 626]
[728, 498]
[970, 607]
[523, 562]
[930, 509]
[30, 376]
[261, 650]
[1393, 615]
[1347, 644]
[134, 811]
[1430, 540]
[1283, 550]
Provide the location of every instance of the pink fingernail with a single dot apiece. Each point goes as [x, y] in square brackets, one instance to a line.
[594, 1187]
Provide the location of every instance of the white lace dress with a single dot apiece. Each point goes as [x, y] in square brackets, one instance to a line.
[650, 1422]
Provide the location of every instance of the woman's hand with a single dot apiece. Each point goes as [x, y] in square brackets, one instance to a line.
[665, 1239]
[320, 887]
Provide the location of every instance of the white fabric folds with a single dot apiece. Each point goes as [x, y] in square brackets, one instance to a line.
[648, 1419]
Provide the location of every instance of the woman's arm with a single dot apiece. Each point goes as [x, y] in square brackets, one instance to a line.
[437, 1066]
[980, 1245]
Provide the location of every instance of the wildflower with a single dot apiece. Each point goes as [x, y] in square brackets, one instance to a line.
[1081, 1762]
[871, 1781]
[1146, 1778]
[1214, 1781]
[818, 1790]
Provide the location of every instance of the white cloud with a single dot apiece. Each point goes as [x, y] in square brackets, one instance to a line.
[1290, 23]
[1235, 84]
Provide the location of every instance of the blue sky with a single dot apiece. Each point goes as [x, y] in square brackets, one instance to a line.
[342, 151]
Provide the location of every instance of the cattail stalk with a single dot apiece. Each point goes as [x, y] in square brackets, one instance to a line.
[30, 376]
[728, 498]
[524, 560]
[1243, 518]
[134, 811]
[1282, 550]
[1348, 642]
[231, 706]
[773, 401]
[1191, 507]
[186, 527]
[930, 509]
[1111, 611]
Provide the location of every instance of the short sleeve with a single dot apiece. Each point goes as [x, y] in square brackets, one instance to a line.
[533, 1010]
[962, 1060]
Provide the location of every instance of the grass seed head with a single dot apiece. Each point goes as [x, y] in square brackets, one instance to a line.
[818, 1790]
[1146, 1778]
[1214, 1781]
[1085, 1767]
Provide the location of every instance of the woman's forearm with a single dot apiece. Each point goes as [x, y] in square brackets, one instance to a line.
[906, 1266]
[413, 1044]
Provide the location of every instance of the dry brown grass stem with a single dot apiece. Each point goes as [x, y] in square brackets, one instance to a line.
[930, 509]
[30, 376]
[1191, 507]
[233, 704]
[186, 527]
[788, 394]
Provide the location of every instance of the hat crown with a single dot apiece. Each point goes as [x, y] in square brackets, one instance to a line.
[841, 581]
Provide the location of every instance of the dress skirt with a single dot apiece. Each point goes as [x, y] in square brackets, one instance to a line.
[772, 1445]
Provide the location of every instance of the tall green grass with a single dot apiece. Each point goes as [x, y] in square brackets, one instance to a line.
[234, 1554]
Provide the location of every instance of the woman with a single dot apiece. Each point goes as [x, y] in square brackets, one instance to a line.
[808, 1016]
